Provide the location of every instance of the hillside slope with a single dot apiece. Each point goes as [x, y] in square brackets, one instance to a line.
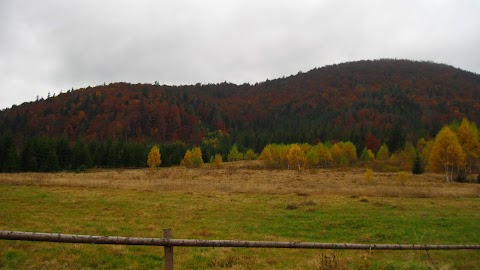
[348, 101]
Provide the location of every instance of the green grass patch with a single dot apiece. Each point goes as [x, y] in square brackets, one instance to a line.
[239, 216]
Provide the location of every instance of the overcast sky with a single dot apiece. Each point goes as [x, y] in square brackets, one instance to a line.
[54, 45]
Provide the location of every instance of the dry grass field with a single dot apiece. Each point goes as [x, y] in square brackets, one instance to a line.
[240, 201]
[251, 177]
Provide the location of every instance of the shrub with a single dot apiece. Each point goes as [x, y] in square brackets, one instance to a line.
[368, 175]
[217, 161]
[250, 155]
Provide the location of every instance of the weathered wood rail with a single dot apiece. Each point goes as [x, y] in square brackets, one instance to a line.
[168, 243]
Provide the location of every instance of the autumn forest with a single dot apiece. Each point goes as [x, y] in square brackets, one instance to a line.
[361, 108]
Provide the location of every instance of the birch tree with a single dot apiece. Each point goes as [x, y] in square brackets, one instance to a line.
[295, 156]
[468, 139]
[447, 154]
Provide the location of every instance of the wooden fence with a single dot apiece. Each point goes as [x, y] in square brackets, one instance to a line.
[168, 243]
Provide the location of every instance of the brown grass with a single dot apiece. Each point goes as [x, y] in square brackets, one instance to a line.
[250, 177]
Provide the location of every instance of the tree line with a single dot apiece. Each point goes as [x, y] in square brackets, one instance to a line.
[455, 151]
[42, 154]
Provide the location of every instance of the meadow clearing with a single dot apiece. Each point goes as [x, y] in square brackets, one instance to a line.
[241, 201]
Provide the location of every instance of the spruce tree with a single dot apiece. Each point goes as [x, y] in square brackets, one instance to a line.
[81, 156]
[417, 165]
[9, 161]
[51, 162]
[64, 154]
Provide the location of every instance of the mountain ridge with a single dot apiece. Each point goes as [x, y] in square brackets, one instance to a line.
[344, 101]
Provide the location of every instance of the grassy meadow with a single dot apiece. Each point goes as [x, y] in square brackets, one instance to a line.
[240, 201]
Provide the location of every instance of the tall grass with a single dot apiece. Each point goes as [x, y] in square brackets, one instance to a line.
[246, 177]
[238, 202]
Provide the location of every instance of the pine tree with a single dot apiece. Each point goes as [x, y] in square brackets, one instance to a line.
[173, 153]
[64, 153]
[29, 161]
[367, 155]
[396, 138]
[9, 161]
[417, 165]
[81, 158]
[51, 162]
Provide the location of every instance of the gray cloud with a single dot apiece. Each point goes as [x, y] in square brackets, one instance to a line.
[49, 46]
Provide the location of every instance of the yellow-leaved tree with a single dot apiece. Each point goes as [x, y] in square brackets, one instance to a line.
[383, 153]
[154, 158]
[349, 150]
[311, 158]
[217, 161]
[193, 158]
[295, 156]
[468, 137]
[324, 155]
[336, 153]
[425, 153]
[275, 156]
[250, 155]
[267, 156]
[447, 154]
[234, 154]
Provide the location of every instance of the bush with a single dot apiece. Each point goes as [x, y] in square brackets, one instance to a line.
[250, 155]
[217, 161]
[368, 175]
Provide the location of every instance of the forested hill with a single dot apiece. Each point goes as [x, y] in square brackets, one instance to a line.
[393, 100]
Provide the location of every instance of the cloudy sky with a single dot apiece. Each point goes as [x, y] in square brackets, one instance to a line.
[53, 45]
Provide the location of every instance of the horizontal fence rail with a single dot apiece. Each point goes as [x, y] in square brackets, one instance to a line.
[167, 242]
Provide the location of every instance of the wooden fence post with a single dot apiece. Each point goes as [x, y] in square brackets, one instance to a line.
[168, 250]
